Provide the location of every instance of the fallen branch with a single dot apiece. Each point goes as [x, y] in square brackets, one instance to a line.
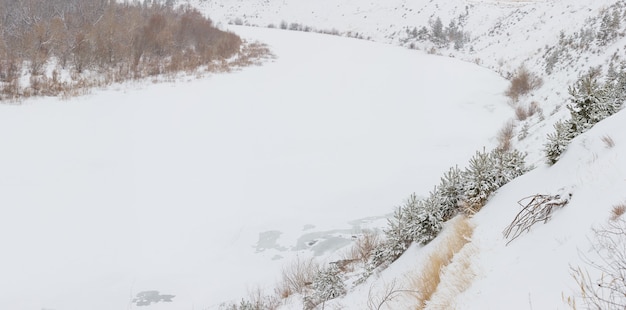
[539, 208]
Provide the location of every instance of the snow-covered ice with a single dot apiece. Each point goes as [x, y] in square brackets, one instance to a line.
[170, 186]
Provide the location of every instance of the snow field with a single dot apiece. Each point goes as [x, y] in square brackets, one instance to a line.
[168, 187]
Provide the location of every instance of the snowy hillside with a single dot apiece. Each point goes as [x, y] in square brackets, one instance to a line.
[202, 191]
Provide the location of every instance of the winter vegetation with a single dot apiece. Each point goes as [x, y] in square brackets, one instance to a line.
[607, 291]
[459, 191]
[522, 82]
[65, 47]
[591, 101]
[438, 265]
[488, 232]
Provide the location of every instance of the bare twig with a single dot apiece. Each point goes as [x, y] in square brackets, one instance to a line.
[391, 292]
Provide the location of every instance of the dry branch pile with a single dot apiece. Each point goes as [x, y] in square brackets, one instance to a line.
[539, 208]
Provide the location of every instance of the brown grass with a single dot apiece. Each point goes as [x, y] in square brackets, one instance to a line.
[618, 211]
[505, 135]
[429, 278]
[364, 246]
[522, 113]
[296, 277]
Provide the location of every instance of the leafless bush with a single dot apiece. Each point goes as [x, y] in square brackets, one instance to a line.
[522, 82]
[608, 141]
[534, 108]
[618, 211]
[251, 54]
[391, 291]
[505, 135]
[296, 277]
[609, 290]
[522, 113]
[364, 246]
[256, 300]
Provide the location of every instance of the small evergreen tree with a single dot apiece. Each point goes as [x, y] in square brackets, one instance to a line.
[438, 34]
[397, 240]
[588, 104]
[479, 183]
[507, 165]
[450, 191]
[427, 221]
[328, 285]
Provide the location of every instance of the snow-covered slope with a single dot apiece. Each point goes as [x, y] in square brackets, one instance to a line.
[534, 271]
[205, 188]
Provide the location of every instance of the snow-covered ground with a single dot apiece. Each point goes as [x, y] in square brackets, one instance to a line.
[204, 188]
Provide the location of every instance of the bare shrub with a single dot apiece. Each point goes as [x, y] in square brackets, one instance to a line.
[391, 291]
[608, 141]
[618, 211]
[256, 300]
[364, 246]
[609, 290]
[522, 82]
[521, 113]
[505, 135]
[251, 54]
[534, 108]
[296, 277]
[429, 278]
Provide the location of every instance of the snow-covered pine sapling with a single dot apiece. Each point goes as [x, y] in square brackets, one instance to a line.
[587, 106]
[327, 285]
[479, 182]
[449, 192]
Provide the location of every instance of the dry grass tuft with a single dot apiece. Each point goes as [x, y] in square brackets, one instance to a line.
[618, 211]
[505, 135]
[364, 246]
[608, 142]
[522, 113]
[428, 280]
[296, 277]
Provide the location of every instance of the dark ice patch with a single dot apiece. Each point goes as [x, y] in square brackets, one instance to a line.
[146, 298]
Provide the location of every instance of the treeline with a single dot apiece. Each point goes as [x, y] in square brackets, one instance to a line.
[120, 40]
